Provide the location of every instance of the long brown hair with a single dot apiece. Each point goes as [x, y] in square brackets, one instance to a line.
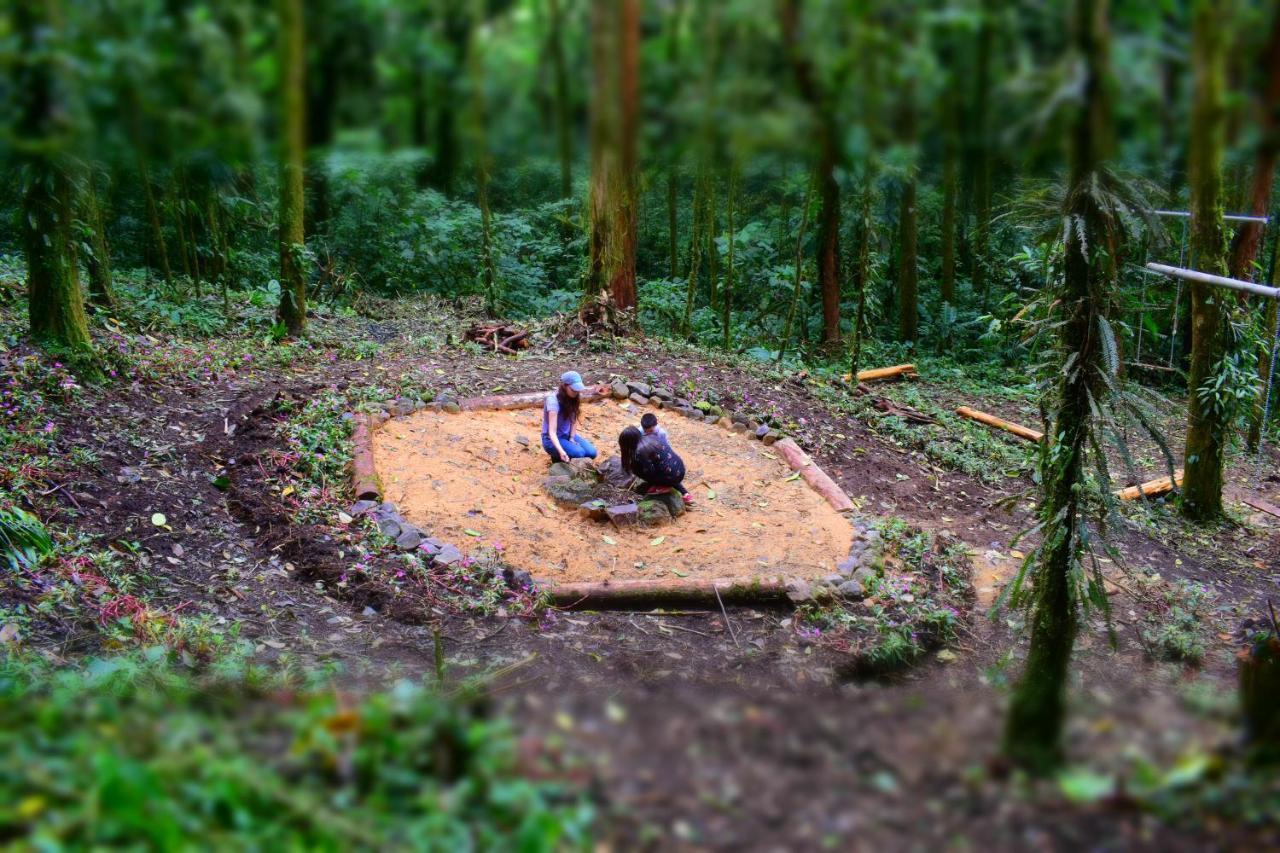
[628, 439]
[568, 404]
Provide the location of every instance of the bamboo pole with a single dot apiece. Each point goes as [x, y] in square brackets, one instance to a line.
[1218, 280]
[1025, 433]
[1151, 488]
[530, 400]
[657, 592]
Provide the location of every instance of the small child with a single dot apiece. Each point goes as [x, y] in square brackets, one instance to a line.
[649, 423]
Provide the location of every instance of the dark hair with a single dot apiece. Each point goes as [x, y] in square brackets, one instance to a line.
[627, 441]
[568, 405]
[649, 420]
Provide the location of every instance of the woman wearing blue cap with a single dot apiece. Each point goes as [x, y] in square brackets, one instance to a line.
[562, 405]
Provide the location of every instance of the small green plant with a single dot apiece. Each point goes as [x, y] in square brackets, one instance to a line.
[1175, 630]
[23, 539]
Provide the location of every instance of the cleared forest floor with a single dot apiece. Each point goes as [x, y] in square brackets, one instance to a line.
[731, 730]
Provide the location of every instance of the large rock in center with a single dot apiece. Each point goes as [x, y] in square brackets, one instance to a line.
[569, 492]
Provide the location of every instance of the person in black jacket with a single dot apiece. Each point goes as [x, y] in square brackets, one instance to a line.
[651, 459]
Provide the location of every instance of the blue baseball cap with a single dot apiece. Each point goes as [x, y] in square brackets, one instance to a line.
[573, 380]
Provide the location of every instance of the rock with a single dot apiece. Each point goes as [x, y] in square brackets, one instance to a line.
[664, 394]
[518, 578]
[683, 403]
[594, 509]
[770, 437]
[418, 405]
[711, 419]
[449, 555]
[851, 589]
[739, 418]
[401, 407]
[431, 547]
[694, 415]
[380, 417]
[619, 390]
[584, 469]
[446, 396]
[848, 565]
[653, 513]
[639, 399]
[408, 539]
[522, 440]
[656, 402]
[361, 507]
[672, 500]
[567, 491]
[717, 411]
[452, 408]
[863, 576]
[761, 431]
[623, 515]
[740, 427]
[641, 389]
[560, 469]
[389, 527]
[799, 591]
[833, 580]
[611, 471]
[347, 417]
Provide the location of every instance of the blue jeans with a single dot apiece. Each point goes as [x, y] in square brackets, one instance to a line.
[575, 448]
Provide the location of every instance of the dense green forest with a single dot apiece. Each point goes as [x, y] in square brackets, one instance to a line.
[238, 232]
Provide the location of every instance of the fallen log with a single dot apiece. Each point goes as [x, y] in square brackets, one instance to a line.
[1151, 488]
[1025, 433]
[365, 483]
[501, 337]
[817, 479]
[898, 371]
[1264, 506]
[905, 412]
[660, 592]
[530, 400]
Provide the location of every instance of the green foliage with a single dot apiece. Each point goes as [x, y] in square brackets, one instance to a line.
[1176, 628]
[134, 751]
[23, 539]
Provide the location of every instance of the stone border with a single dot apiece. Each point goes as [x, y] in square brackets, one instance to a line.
[848, 581]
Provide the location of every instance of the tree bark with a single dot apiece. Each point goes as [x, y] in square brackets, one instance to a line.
[797, 279]
[98, 260]
[1033, 731]
[1244, 248]
[726, 301]
[55, 305]
[819, 101]
[293, 283]
[1206, 435]
[614, 106]
[981, 155]
[560, 81]
[950, 170]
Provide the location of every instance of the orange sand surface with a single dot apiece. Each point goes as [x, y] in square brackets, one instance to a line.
[453, 473]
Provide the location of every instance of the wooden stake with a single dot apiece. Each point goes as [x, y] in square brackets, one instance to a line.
[364, 478]
[1025, 433]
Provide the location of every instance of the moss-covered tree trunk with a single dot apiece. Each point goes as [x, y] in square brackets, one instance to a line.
[1244, 247]
[293, 282]
[98, 259]
[980, 156]
[950, 170]
[615, 45]
[55, 304]
[908, 227]
[829, 147]
[560, 95]
[1206, 434]
[1033, 733]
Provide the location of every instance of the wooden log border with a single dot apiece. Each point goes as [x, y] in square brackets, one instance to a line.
[621, 594]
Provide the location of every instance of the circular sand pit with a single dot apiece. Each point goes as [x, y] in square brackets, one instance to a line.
[476, 479]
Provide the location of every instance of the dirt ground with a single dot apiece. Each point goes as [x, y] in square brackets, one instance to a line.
[462, 475]
[697, 729]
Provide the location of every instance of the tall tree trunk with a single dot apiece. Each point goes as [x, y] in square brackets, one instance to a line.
[862, 268]
[98, 259]
[908, 272]
[672, 221]
[55, 305]
[697, 246]
[457, 20]
[153, 220]
[1171, 92]
[819, 102]
[614, 103]
[726, 300]
[293, 281]
[1244, 248]
[950, 169]
[797, 278]
[981, 154]
[1206, 435]
[1033, 732]
[560, 80]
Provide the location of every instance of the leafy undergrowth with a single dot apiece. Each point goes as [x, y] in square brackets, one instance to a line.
[136, 750]
[917, 596]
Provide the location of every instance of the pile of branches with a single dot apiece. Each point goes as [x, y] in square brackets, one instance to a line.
[499, 336]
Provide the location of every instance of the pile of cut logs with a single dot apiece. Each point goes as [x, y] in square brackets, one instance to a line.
[499, 337]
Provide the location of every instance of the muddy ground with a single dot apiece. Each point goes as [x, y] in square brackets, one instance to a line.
[699, 729]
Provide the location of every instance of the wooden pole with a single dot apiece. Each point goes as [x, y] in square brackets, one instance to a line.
[654, 593]
[898, 371]
[364, 478]
[813, 475]
[1025, 433]
[530, 400]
